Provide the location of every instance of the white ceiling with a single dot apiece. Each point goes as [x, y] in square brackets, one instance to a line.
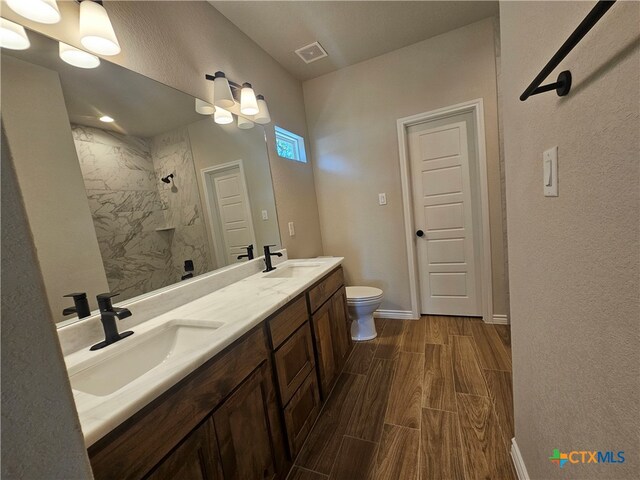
[350, 31]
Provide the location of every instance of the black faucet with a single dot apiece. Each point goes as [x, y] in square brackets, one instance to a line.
[81, 305]
[267, 258]
[248, 255]
[108, 315]
[188, 268]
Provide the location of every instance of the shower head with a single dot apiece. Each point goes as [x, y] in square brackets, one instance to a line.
[168, 178]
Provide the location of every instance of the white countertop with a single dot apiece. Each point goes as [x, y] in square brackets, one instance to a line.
[234, 309]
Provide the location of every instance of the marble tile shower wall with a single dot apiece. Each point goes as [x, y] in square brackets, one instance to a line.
[127, 209]
[171, 152]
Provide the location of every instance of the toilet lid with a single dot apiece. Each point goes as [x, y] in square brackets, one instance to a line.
[363, 293]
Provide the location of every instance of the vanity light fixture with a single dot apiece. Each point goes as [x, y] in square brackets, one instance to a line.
[222, 96]
[245, 123]
[13, 36]
[222, 116]
[262, 117]
[225, 95]
[41, 11]
[106, 119]
[96, 31]
[76, 57]
[248, 101]
[204, 108]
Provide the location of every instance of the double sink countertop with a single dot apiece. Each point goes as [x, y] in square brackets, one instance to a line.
[112, 384]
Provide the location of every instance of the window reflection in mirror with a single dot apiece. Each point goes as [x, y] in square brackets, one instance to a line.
[170, 194]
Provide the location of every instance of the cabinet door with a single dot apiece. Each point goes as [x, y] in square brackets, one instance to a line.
[196, 458]
[341, 331]
[294, 360]
[247, 441]
[301, 413]
[323, 334]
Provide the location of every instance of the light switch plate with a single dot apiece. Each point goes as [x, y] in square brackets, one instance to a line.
[265, 215]
[382, 199]
[550, 172]
[292, 230]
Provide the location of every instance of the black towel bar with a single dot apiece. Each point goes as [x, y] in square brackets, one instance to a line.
[563, 85]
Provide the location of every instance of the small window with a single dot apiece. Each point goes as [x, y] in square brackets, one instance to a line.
[290, 146]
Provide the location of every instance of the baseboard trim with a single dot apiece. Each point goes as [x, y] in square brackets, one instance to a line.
[397, 314]
[518, 462]
[499, 319]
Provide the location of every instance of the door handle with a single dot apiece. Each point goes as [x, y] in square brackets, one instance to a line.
[419, 233]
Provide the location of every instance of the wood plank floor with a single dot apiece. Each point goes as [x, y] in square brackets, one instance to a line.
[427, 399]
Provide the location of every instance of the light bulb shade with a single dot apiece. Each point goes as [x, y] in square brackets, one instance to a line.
[41, 11]
[245, 123]
[222, 116]
[96, 31]
[262, 117]
[222, 96]
[248, 102]
[13, 36]
[204, 108]
[76, 57]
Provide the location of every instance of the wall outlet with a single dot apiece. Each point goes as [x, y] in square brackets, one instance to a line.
[292, 229]
[265, 215]
[382, 199]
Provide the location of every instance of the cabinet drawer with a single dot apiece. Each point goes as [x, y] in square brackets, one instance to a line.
[287, 321]
[321, 292]
[301, 412]
[294, 360]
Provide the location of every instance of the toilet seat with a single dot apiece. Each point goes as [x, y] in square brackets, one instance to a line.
[363, 294]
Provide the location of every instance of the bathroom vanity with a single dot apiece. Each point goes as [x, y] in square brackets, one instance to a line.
[246, 409]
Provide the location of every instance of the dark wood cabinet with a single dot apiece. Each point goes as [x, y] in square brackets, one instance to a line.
[323, 335]
[227, 420]
[341, 328]
[196, 458]
[294, 360]
[247, 441]
[301, 413]
[331, 329]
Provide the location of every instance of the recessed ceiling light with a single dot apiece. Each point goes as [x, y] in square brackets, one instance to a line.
[106, 119]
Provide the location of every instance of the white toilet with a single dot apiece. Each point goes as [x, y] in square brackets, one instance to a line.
[362, 302]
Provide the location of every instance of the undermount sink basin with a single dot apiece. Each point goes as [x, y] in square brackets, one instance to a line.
[293, 270]
[125, 361]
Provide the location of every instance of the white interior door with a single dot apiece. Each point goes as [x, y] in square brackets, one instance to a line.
[443, 217]
[233, 212]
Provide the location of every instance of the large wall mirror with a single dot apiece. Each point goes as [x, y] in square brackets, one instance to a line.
[170, 193]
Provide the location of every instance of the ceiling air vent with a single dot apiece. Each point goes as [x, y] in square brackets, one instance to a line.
[312, 52]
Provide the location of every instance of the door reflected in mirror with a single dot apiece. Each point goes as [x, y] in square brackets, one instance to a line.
[170, 194]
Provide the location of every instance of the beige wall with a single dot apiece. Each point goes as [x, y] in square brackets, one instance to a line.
[212, 145]
[574, 260]
[352, 116]
[51, 183]
[41, 436]
[176, 43]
